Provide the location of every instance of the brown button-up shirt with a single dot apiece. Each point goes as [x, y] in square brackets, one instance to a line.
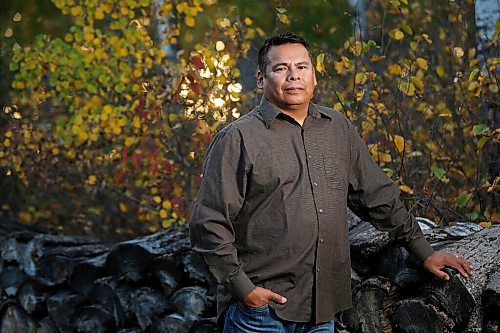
[272, 209]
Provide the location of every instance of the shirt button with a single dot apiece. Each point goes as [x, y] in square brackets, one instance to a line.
[309, 156]
[321, 240]
[315, 184]
[317, 269]
[321, 211]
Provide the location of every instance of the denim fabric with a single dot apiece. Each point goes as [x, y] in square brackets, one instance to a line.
[241, 319]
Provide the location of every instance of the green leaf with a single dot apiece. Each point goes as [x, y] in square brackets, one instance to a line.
[473, 74]
[480, 129]
[389, 172]
[440, 174]
[406, 28]
[463, 198]
[281, 10]
[13, 66]
[482, 142]
[473, 216]
[120, 87]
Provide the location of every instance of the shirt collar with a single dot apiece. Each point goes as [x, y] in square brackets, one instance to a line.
[269, 111]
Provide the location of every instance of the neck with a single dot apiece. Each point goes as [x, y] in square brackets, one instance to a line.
[298, 115]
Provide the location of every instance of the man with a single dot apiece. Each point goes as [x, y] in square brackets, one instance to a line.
[270, 216]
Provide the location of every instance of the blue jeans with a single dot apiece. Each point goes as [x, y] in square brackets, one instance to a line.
[241, 319]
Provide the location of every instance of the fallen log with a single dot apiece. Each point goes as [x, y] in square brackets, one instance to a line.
[447, 305]
[14, 319]
[374, 300]
[490, 302]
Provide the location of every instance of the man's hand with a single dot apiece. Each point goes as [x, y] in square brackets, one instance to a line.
[261, 296]
[439, 260]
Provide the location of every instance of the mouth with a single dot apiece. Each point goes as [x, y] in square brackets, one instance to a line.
[294, 90]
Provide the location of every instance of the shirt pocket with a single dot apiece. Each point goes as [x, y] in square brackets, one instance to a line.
[335, 171]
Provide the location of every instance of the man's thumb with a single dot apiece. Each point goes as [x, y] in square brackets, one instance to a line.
[278, 298]
[442, 275]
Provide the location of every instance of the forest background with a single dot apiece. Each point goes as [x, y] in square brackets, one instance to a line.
[108, 106]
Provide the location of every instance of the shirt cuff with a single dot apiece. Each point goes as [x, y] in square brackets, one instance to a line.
[420, 248]
[240, 285]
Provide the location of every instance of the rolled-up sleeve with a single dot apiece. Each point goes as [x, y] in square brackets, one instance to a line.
[219, 200]
[373, 196]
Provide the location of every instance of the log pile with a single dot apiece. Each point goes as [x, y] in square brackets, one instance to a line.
[158, 284]
[392, 292]
[55, 284]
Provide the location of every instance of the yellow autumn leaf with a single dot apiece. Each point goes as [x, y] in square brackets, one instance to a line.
[163, 213]
[458, 52]
[427, 38]
[422, 64]
[471, 53]
[473, 86]
[137, 122]
[384, 157]
[91, 180]
[77, 10]
[339, 67]
[99, 14]
[406, 189]
[129, 141]
[166, 204]
[485, 224]
[394, 69]
[346, 62]
[181, 7]
[166, 224]
[320, 65]
[396, 34]
[248, 21]
[337, 106]
[157, 199]
[8, 33]
[407, 88]
[399, 141]
[441, 72]
[220, 46]
[493, 88]
[283, 18]
[419, 84]
[82, 134]
[25, 217]
[190, 21]
[360, 78]
[123, 207]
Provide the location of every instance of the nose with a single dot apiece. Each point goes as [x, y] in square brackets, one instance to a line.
[293, 74]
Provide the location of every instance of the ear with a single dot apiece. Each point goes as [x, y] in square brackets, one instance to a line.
[260, 80]
[314, 78]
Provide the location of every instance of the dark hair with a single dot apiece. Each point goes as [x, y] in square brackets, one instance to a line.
[280, 39]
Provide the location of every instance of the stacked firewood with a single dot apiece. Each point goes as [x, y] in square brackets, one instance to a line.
[76, 284]
[157, 283]
[392, 292]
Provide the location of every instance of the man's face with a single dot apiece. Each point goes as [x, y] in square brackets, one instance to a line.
[289, 79]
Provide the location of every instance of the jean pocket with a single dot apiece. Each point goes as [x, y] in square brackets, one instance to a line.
[248, 309]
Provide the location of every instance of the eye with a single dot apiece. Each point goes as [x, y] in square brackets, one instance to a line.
[280, 69]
